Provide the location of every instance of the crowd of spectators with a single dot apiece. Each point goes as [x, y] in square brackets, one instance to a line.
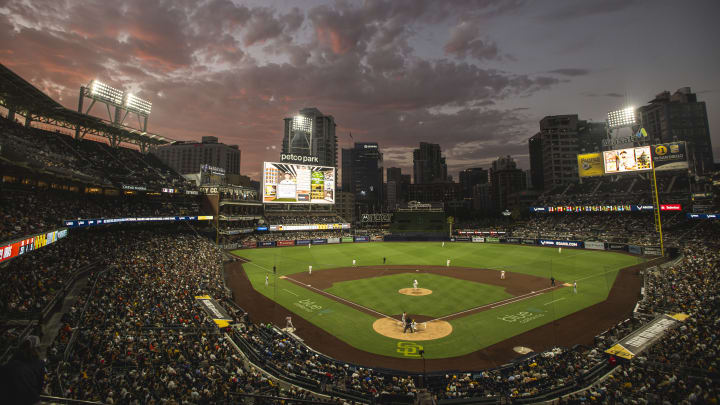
[84, 159]
[28, 210]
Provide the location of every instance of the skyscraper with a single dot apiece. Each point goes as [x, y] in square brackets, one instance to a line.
[505, 179]
[469, 178]
[680, 117]
[311, 133]
[428, 164]
[186, 157]
[362, 175]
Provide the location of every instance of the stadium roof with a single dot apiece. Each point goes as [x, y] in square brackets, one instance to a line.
[28, 100]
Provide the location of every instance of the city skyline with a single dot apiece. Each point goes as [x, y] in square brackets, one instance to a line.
[474, 77]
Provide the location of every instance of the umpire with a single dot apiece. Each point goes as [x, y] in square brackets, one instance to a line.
[408, 325]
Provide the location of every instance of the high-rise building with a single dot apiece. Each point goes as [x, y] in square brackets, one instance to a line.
[505, 179]
[393, 187]
[554, 150]
[362, 175]
[187, 157]
[428, 164]
[311, 133]
[469, 178]
[680, 117]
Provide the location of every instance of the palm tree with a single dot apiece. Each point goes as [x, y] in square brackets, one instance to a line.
[450, 221]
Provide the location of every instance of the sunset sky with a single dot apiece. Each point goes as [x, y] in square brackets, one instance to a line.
[473, 76]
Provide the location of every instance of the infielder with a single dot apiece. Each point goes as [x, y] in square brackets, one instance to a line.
[574, 287]
[403, 318]
[552, 281]
[447, 264]
[266, 280]
[502, 275]
[310, 270]
[353, 262]
[415, 284]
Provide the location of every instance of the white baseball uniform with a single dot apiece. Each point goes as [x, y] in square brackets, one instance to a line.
[502, 275]
[443, 245]
[266, 280]
[447, 264]
[310, 270]
[353, 262]
[415, 284]
[575, 287]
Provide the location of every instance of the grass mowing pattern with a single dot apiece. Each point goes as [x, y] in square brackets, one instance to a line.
[450, 295]
[595, 272]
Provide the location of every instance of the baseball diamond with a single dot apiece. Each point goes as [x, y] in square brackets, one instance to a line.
[353, 313]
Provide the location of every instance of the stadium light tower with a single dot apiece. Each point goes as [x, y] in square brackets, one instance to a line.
[621, 118]
[301, 134]
[121, 102]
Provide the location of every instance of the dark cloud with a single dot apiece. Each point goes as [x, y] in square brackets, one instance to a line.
[583, 9]
[465, 41]
[570, 72]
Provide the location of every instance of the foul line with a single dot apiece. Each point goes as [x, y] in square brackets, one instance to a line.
[559, 299]
[498, 303]
[290, 292]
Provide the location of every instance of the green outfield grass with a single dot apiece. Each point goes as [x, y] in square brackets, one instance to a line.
[595, 272]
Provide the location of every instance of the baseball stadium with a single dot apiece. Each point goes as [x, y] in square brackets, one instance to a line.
[142, 263]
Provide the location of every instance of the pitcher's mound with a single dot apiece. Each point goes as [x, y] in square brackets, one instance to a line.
[393, 328]
[415, 291]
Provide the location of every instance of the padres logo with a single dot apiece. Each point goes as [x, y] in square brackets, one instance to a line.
[409, 349]
[661, 150]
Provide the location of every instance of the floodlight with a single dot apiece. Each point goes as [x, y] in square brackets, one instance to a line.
[302, 123]
[621, 118]
[104, 92]
[138, 105]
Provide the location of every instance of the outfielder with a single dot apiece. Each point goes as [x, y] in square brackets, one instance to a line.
[443, 245]
[310, 270]
[266, 280]
[447, 264]
[574, 287]
[415, 284]
[354, 262]
[502, 275]
[559, 250]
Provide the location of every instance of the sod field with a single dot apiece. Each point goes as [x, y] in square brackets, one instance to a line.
[481, 308]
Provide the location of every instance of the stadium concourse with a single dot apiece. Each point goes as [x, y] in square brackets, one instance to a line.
[117, 317]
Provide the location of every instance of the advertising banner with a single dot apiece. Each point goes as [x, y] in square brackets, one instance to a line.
[288, 183]
[237, 231]
[266, 244]
[319, 241]
[362, 239]
[636, 250]
[560, 243]
[594, 245]
[670, 207]
[627, 160]
[652, 251]
[79, 223]
[604, 208]
[511, 240]
[617, 246]
[286, 243]
[492, 239]
[214, 310]
[377, 238]
[249, 244]
[590, 165]
[670, 156]
[636, 342]
[333, 240]
[462, 239]
[478, 239]
[262, 228]
[19, 247]
[347, 239]
[529, 242]
[302, 242]
[308, 227]
[703, 216]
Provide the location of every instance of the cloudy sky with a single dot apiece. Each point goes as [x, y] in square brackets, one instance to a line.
[473, 76]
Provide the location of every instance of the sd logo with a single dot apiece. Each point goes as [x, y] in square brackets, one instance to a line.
[409, 349]
[661, 150]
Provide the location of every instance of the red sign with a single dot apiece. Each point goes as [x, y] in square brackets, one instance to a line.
[670, 207]
[16, 248]
[252, 244]
[286, 243]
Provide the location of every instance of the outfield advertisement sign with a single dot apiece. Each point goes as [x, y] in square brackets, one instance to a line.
[319, 241]
[460, 239]
[478, 239]
[377, 238]
[347, 239]
[362, 239]
[617, 246]
[529, 242]
[302, 242]
[561, 243]
[510, 240]
[634, 249]
[652, 251]
[670, 156]
[703, 216]
[492, 239]
[249, 244]
[594, 245]
[285, 243]
[18, 247]
[636, 342]
[266, 244]
[333, 240]
[80, 223]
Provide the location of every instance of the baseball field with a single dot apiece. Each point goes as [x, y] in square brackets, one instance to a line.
[459, 309]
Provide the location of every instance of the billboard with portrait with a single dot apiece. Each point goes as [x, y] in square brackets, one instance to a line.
[627, 160]
[288, 183]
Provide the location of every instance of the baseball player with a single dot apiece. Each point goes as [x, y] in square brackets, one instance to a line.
[408, 325]
[403, 318]
[267, 282]
[443, 245]
[415, 284]
[574, 287]
[552, 281]
[288, 322]
[559, 250]
[310, 270]
[502, 275]
[309, 245]
[354, 262]
[447, 264]
[413, 326]
[383, 260]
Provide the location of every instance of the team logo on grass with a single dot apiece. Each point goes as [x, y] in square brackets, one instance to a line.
[409, 349]
[522, 317]
[307, 305]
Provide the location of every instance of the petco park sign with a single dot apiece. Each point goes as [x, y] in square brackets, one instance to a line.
[293, 158]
